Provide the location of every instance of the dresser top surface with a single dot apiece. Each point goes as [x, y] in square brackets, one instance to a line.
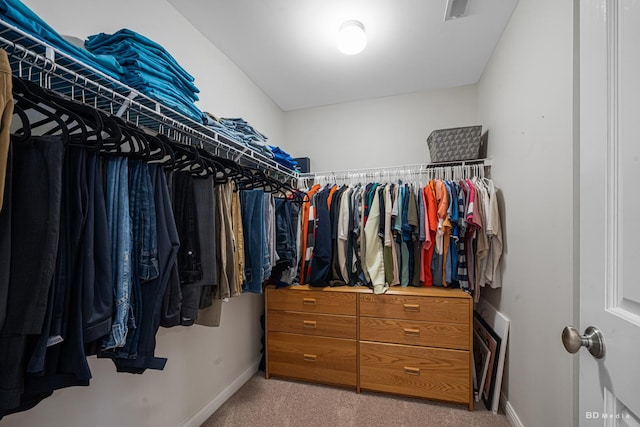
[427, 291]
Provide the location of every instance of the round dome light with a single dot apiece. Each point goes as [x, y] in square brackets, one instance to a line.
[351, 38]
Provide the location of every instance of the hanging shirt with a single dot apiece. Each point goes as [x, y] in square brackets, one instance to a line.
[343, 233]
[336, 278]
[306, 217]
[438, 260]
[368, 195]
[321, 260]
[452, 252]
[472, 231]
[463, 278]
[494, 232]
[395, 247]
[412, 222]
[482, 243]
[374, 260]
[429, 246]
[388, 252]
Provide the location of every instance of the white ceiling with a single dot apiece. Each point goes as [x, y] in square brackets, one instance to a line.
[288, 47]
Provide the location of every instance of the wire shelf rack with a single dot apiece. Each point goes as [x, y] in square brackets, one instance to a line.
[40, 62]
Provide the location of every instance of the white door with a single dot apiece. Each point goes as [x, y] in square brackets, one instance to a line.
[610, 209]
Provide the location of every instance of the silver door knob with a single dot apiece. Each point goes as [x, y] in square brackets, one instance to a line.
[592, 339]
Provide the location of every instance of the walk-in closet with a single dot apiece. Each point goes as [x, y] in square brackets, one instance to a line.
[222, 214]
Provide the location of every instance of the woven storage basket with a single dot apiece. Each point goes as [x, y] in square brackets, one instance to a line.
[453, 144]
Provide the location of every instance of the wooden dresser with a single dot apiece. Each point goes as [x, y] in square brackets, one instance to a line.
[409, 341]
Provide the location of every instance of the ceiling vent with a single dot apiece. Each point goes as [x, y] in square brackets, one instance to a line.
[456, 9]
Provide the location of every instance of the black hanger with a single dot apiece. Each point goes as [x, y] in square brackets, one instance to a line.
[159, 152]
[242, 175]
[80, 116]
[25, 103]
[111, 132]
[214, 167]
[132, 143]
[69, 124]
[23, 132]
[186, 158]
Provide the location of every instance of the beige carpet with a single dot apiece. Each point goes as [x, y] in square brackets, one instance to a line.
[282, 403]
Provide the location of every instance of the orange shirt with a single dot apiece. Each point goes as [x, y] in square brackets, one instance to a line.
[432, 216]
[304, 218]
[331, 193]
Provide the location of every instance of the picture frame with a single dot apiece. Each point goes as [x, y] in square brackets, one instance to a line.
[481, 356]
[500, 325]
[492, 340]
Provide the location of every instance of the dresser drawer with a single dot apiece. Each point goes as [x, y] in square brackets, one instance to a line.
[415, 371]
[436, 309]
[414, 332]
[290, 299]
[328, 325]
[320, 359]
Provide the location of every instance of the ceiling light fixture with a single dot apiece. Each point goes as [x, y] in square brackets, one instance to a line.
[351, 38]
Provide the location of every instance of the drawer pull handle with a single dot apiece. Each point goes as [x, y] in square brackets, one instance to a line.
[309, 323]
[310, 357]
[411, 371]
[309, 301]
[411, 307]
[412, 332]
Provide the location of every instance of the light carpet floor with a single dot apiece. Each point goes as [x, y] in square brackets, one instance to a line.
[281, 403]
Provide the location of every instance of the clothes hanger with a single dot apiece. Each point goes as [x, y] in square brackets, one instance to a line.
[218, 169]
[24, 104]
[110, 129]
[158, 149]
[242, 176]
[258, 179]
[132, 142]
[120, 147]
[23, 132]
[57, 120]
[186, 158]
[87, 119]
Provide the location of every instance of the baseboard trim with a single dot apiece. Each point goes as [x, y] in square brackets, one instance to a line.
[207, 410]
[512, 417]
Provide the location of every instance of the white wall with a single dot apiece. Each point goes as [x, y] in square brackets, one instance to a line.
[390, 131]
[525, 98]
[203, 362]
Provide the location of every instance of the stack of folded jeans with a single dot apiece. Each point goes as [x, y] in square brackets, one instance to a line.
[247, 135]
[214, 124]
[283, 158]
[150, 69]
[238, 130]
[17, 14]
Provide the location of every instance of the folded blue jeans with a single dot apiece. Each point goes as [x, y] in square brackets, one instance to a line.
[102, 40]
[221, 129]
[18, 14]
[139, 80]
[187, 109]
[123, 42]
[127, 54]
[153, 68]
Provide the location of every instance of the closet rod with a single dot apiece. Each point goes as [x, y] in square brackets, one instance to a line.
[391, 170]
[46, 65]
